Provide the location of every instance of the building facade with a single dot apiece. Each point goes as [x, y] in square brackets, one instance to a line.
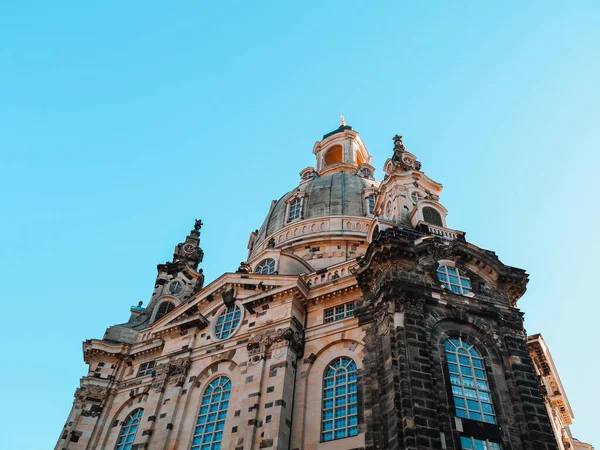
[359, 321]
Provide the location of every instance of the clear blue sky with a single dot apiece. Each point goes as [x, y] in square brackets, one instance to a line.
[121, 122]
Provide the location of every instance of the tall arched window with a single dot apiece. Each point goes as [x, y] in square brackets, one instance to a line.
[208, 433]
[163, 309]
[130, 426]
[432, 216]
[470, 388]
[340, 400]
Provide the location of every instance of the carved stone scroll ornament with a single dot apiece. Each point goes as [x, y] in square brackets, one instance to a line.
[91, 392]
[91, 399]
[262, 345]
[175, 371]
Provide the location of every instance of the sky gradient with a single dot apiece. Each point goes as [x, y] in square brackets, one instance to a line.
[122, 122]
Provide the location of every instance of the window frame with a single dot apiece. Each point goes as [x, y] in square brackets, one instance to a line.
[167, 310]
[438, 216]
[147, 368]
[217, 336]
[442, 269]
[134, 415]
[488, 445]
[265, 261]
[330, 403]
[347, 312]
[219, 410]
[475, 381]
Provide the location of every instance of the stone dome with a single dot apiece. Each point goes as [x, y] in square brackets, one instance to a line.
[332, 194]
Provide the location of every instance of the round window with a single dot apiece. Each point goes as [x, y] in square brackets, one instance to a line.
[175, 287]
[416, 196]
[228, 321]
[454, 280]
[266, 267]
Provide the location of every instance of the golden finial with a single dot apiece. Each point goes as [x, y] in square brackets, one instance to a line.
[342, 121]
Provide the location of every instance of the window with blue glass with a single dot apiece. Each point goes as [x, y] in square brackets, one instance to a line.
[468, 380]
[371, 203]
[470, 443]
[454, 280]
[340, 400]
[295, 209]
[130, 426]
[208, 433]
[228, 321]
[266, 267]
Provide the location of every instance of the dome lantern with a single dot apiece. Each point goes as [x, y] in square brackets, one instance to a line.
[341, 150]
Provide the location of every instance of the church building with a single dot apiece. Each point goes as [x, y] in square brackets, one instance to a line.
[359, 320]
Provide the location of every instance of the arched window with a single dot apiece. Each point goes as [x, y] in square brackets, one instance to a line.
[334, 155]
[163, 309]
[295, 209]
[470, 388]
[129, 429]
[208, 433]
[432, 216]
[340, 400]
[228, 321]
[454, 280]
[266, 267]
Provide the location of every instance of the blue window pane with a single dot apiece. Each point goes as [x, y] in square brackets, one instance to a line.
[340, 390]
[465, 443]
[479, 445]
[470, 393]
[473, 405]
[489, 419]
[342, 420]
[478, 363]
[474, 395]
[209, 432]
[461, 413]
